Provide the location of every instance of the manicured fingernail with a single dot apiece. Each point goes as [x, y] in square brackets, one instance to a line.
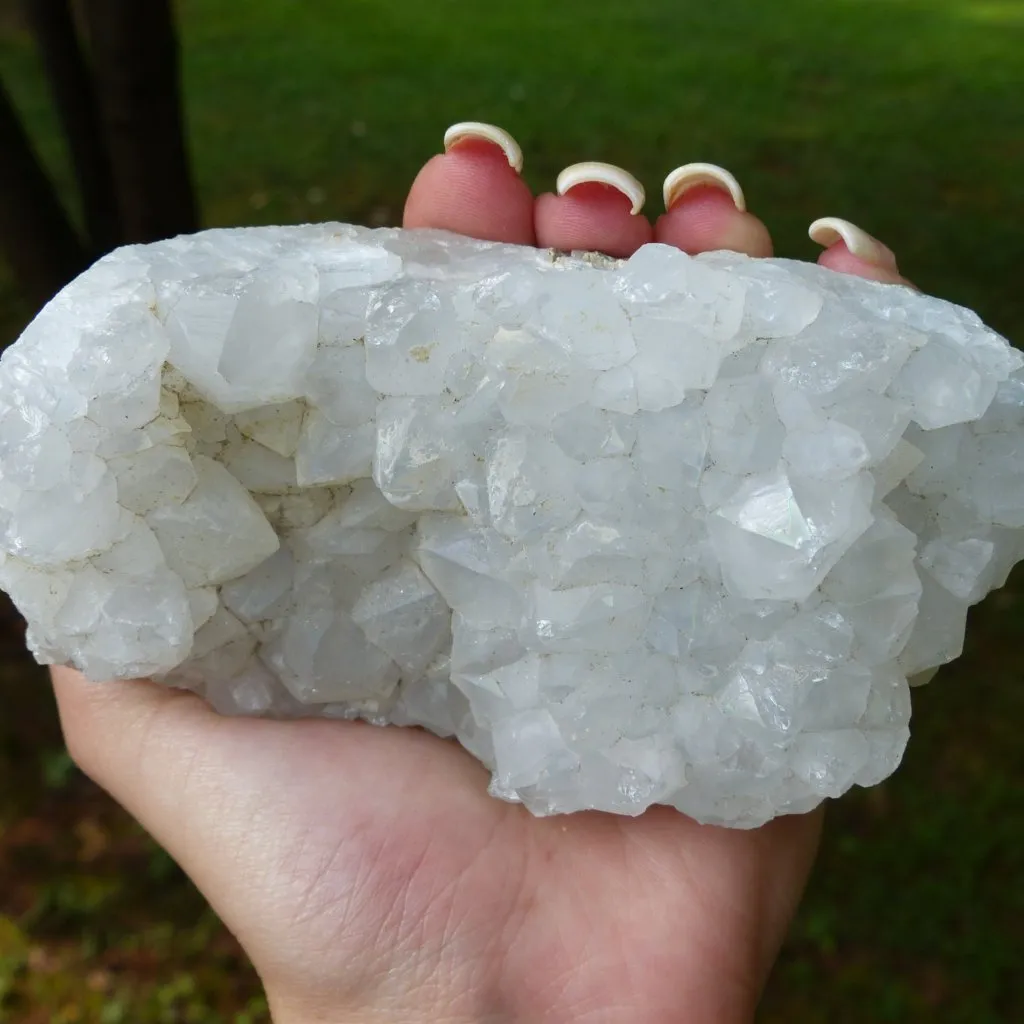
[682, 179]
[826, 231]
[602, 174]
[488, 133]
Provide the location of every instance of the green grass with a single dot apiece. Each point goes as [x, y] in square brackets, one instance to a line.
[904, 115]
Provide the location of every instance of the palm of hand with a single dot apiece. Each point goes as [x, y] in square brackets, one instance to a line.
[367, 872]
[369, 868]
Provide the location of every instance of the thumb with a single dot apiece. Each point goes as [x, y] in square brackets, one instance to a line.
[256, 812]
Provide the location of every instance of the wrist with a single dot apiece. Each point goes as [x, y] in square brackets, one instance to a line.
[290, 1011]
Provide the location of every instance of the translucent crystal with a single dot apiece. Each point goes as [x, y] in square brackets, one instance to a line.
[669, 530]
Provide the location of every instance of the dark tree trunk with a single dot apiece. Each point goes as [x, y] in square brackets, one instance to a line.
[38, 239]
[136, 68]
[75, 99]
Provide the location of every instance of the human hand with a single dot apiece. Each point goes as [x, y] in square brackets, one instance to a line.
[366, 871]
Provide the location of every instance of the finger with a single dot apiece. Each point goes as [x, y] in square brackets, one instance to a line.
[474, 188]
[596, 207]
[228, 797]
[851, 250]
[148, 745]
[151, 748]
[792, 843]
[706, 210]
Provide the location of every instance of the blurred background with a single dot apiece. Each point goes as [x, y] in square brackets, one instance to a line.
[906, 116]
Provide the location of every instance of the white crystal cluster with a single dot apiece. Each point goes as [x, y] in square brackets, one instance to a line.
[672, 530]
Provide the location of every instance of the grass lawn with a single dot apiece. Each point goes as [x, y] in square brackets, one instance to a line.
[907, 117]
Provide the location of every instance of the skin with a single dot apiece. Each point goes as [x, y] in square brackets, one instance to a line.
[366, 871]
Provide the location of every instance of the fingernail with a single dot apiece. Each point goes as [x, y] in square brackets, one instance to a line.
[489, 133]
[826, 231]
[682, 179]
[603, 174]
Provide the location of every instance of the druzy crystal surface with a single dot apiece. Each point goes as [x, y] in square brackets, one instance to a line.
[670, 530]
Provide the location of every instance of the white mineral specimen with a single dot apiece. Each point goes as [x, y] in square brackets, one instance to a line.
[673, 530]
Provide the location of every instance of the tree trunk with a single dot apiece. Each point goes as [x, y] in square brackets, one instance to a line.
[136, 67]
[74, 97]
[38, 239]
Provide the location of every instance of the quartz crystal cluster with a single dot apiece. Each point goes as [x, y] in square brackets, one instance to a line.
[669, 530]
